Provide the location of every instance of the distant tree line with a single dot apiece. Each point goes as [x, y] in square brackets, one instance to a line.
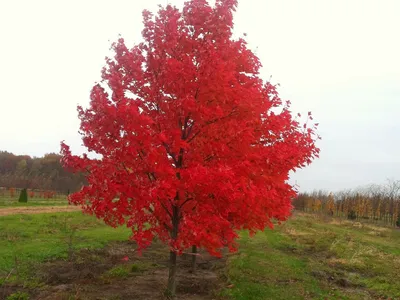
[376, 203]
[23, 171]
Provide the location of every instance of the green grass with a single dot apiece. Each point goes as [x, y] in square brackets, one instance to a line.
[308, 258]
[118, 271]
[26, 240]
[13, 202]
[305, 258]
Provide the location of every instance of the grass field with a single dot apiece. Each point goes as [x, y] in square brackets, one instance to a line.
[37, 237]
[306, 258]
[310, 258]
[13, 202]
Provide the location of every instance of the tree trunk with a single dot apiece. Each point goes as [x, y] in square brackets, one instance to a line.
[194, 256]
[171, 289]
[172, 274]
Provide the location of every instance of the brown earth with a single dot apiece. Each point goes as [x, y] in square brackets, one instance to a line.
[36, 210]
[118, 272]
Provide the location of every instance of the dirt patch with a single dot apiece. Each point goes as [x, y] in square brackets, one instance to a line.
[36, 210]
[119, 272]
[336, 277]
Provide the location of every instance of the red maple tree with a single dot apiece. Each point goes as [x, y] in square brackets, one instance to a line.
[193, 145]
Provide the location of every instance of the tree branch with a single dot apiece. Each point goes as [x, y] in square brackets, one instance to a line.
[187, 200]
[166, 209]
[212, 122]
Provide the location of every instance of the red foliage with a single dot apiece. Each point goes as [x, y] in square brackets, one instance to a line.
[48, 194]
[12, 192]
[193, 145]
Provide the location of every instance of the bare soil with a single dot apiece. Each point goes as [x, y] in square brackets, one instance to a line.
[36, 210]
[96, 275]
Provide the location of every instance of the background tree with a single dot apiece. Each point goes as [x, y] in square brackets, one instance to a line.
[193, 145]
[378, 203]
[23, 196]
[22, 171]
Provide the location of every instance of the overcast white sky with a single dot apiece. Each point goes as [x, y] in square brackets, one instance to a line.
[336, 58]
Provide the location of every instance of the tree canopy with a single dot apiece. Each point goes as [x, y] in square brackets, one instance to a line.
[193, 144]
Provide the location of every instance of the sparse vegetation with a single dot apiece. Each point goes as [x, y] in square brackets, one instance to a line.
[18, 296]
[313, 256]
[130, 269]
[118, 271]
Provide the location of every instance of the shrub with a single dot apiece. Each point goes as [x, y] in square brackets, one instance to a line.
[352, 215]
[23, 196]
